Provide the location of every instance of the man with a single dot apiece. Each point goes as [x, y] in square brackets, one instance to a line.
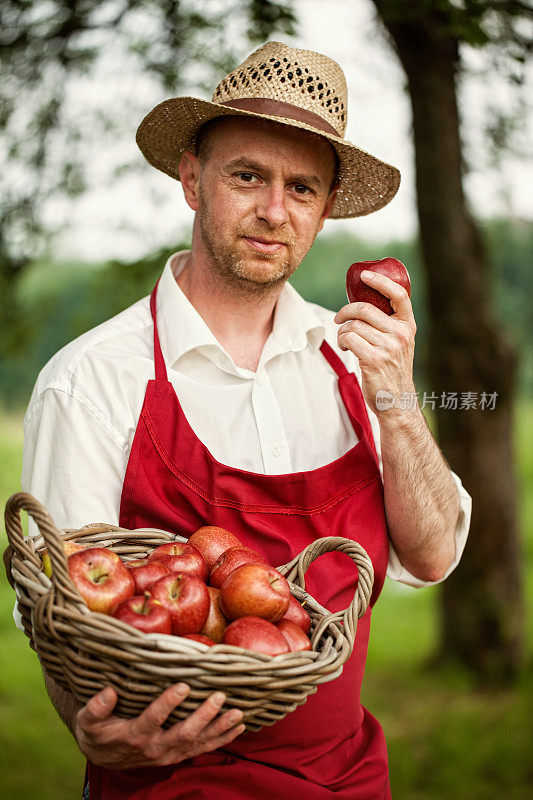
[262, 419]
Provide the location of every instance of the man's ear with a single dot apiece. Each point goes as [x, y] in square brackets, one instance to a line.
[189, 171]
[328, 207]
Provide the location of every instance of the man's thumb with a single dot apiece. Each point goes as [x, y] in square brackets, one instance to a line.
[98, 707]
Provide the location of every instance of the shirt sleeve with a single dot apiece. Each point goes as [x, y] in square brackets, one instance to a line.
[395, 569]
[73, 462]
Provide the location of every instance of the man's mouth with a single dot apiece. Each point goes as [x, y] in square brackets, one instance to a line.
[264, 245]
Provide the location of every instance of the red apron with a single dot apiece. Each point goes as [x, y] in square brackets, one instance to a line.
[330, 747]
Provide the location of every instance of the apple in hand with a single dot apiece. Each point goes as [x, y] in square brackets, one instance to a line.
[256, 590]
[186, 598]
[256, 633]
[69, 548]
[146, 572]
[216, 622]
[181, 557]
[296, 613]
[144, 613]
[101, 578]
[211, 541]
[231, 559]
[296, 638]
[360, 292]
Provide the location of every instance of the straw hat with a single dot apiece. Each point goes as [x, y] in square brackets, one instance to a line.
[294, 87]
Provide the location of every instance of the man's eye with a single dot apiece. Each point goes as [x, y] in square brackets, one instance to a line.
[247, 177]
[300, 186]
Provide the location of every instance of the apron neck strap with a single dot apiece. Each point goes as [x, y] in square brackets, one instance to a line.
[352, 397]
[333, 359]
[160, 368]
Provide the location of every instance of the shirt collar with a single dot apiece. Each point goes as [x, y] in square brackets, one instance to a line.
[182, 329]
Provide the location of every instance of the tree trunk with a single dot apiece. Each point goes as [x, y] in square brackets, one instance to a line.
[482, 613]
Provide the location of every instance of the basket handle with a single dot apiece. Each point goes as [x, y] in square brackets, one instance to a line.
[60, 574]
[295, 570]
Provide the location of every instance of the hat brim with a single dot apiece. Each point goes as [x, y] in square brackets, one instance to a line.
[366, 183]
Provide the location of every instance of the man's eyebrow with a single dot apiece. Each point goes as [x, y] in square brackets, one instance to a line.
[245, 163]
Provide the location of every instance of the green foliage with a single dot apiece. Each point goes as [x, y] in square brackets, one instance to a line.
[59, 302]
[510, 245]
[474, 22]
[266, 15]
[45, 47]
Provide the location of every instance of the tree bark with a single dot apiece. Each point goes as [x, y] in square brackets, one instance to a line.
[481, 608]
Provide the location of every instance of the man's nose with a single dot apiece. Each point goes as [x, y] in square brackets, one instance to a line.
[272, 205]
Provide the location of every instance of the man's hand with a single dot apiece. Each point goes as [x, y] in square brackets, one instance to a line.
[421, 499]
[384, 345]
[115, 743]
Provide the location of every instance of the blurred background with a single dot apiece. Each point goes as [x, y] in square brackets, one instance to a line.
[438, 88]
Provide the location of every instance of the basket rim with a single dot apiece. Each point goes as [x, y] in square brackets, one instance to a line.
[84, 651]
[171, 644]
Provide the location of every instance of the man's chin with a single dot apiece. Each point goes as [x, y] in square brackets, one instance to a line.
[263, 271]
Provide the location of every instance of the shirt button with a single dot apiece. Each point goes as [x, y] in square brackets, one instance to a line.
[220, 358]
[259, 380]
[275, 451]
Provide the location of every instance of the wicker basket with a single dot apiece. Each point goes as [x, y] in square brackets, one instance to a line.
[85, 651]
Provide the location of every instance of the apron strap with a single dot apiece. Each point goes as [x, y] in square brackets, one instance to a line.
[352, 396]
[333, 359]
[160, 368]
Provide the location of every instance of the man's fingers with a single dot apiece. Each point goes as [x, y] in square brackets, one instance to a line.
[365, 331]
[98, 708]
[204, 745]
[156, 713]
[367, 313]
[359, 346]
[196, 723]
[222, 725]
[399, 299]
[224, 738]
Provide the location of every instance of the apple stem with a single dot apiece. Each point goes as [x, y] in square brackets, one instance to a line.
[144, 609]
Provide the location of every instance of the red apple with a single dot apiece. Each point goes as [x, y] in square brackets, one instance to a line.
[146, 572]
[358, 291]
[256, 590]
[231, 559]
[296, 638]
[187, 599]
[144, 613]
[216, 622]
[198, 637]
[256, 633]
[69, 548]
[296, 613]
[181, 557]
[211, 541]
[101, 578]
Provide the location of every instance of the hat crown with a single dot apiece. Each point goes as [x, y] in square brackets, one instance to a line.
[302, 78]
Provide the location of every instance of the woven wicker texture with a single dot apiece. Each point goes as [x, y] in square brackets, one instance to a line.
[302, 78]
[85, 651]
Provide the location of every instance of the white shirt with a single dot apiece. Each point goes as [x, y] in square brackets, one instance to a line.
[287, 416]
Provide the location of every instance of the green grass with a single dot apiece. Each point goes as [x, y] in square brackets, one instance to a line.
[447, 740]
[38, 757]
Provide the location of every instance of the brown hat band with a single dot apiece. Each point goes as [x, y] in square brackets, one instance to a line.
[277, 108]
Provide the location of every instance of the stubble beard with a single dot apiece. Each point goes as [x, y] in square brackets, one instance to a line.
[242, 273]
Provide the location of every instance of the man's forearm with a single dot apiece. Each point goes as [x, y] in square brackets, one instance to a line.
[421, 499]
[64, 703]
